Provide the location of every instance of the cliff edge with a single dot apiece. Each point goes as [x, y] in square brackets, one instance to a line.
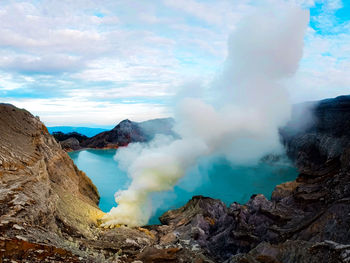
[40, 186]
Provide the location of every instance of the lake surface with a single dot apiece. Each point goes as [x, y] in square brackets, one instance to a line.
[216, 179]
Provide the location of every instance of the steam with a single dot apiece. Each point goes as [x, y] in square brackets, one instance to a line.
[241, 122]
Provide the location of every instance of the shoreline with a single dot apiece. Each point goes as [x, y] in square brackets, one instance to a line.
[89, 148]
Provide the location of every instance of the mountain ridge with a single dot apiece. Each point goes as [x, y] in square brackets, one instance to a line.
[122, 134]
[87, 131]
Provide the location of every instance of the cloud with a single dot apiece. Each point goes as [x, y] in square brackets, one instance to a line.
[146, 49]
[7, 83]
[324, 69]
[54, 112]
[200, 10]
[50, 64]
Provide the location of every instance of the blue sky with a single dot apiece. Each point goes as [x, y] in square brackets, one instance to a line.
[94, 63]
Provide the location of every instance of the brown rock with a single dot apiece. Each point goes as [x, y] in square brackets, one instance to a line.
[152, 255]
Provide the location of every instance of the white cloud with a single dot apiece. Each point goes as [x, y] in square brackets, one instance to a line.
[41, 64]
[82, 112]
[200, 10]
[86, 50]
[324, 71]
[7, 83]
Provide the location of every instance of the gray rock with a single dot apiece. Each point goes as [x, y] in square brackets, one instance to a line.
[70, 144]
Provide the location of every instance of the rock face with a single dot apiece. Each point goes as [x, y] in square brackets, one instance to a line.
[324, 139]
[70, 144]
[40, 186]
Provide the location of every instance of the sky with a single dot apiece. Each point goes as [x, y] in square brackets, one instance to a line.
[95, 63]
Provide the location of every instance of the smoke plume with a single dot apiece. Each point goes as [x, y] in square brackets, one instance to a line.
[249, 103]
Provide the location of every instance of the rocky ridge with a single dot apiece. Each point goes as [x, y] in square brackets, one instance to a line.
[70, 141]
[121, 135]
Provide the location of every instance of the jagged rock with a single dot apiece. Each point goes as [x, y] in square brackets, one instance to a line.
[23, 251]
[289, 252]
[150, 255]
[319, 144]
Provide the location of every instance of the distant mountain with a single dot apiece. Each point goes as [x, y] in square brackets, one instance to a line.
[89, 132]
[60, 136]
[69, 141]
[128, 131]
[157, 126]
[75, 138]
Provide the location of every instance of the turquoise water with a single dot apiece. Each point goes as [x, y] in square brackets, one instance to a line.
[217, 180]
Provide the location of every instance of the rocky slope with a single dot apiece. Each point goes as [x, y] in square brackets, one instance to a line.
[324, 139]
[40, 186]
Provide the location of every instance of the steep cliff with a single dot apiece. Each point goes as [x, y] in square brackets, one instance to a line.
[40, 186]
[323, 141]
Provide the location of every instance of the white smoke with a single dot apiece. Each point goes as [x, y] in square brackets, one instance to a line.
[241, 123]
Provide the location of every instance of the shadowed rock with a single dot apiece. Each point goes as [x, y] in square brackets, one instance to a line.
[70, 144]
